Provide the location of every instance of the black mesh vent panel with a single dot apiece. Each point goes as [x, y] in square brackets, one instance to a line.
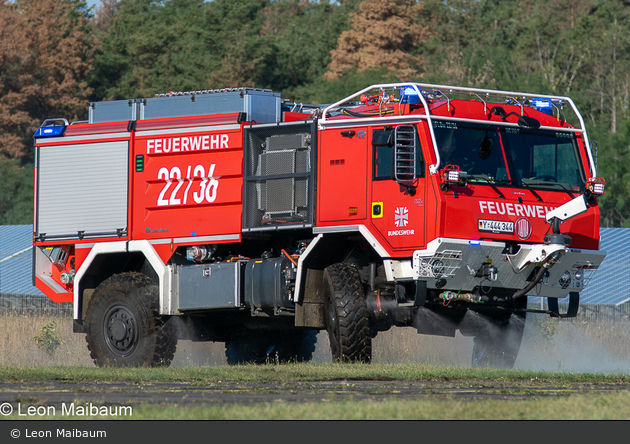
[278, 190]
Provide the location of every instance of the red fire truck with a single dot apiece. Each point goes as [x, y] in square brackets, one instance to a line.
[236, 216]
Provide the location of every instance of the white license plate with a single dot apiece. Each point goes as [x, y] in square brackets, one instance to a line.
[496, 226]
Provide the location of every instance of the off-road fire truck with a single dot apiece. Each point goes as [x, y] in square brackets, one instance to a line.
[236, 216]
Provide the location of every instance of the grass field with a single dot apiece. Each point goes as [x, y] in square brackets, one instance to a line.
[565, 354]
[531, 401]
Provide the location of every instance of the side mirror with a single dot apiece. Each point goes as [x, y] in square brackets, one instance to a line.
[523, 121]
[485, 149]
[528, 122]
[498, 111]
[594, 151]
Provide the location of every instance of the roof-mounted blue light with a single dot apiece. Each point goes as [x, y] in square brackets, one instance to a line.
[408, 94]
[51, 128]
[474, 242]
[543, 105]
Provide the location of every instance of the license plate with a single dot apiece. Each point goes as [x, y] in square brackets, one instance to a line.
[496, 226]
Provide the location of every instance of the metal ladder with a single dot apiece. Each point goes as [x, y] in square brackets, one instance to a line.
[405, 154]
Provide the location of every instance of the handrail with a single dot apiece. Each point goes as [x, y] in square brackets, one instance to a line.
[325, 119]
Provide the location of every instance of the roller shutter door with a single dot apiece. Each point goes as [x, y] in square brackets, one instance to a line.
[82, 190]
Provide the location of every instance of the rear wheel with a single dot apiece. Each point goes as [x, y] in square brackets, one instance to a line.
[347, 316]
[124, 328]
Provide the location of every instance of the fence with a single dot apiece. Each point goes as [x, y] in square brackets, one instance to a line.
[32, 304]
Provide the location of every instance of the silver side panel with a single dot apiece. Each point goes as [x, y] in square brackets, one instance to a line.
[82, 190]
[204, 286]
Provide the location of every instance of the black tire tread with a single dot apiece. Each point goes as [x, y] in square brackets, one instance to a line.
[346, 295]
[163, 338]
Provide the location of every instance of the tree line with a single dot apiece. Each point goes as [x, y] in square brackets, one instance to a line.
[58, 55]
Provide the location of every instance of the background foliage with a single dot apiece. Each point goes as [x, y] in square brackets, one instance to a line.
[57, 55]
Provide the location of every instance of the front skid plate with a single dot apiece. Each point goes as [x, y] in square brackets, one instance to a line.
[453, 263]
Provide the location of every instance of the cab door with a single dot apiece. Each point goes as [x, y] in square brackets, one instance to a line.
[343, 172]
[398, 194]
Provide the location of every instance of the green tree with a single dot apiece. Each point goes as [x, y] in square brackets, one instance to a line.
[152, 47]
[16, 192]
[613, 164]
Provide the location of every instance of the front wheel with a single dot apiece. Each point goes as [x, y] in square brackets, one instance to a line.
[347, 315]
[124, 328]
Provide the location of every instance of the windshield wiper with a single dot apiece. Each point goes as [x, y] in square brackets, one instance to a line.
[538, 198]
[545, 183]
[469, 177]
[511, 182]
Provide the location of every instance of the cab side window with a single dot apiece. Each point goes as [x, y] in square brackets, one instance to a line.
[383, 142]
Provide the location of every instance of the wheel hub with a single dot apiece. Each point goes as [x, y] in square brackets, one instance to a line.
[120, 329]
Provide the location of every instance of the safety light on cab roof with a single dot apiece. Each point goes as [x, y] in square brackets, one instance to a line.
[596, 185]
[543, 105]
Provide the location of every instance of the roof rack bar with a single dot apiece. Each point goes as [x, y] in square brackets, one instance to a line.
[418, 87]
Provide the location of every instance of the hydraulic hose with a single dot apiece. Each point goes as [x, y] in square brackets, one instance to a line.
[532, 284]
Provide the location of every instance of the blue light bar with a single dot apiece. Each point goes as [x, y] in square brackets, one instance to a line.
[543, 105]
[49, 131]
[409, 95]
[474, 242]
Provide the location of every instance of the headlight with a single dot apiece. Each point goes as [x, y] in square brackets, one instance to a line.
[438, 268]
[565, 279]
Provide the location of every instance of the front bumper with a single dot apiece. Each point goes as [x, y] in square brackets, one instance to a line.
[461, 265]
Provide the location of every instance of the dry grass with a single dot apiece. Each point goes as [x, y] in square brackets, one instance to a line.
[399, 345]
[17, 346]
[596, 346]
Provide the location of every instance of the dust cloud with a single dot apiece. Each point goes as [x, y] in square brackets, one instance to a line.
[549, 345]
[598, 344]
[574, 345]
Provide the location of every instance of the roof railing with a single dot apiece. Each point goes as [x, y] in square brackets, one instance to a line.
[327, 120]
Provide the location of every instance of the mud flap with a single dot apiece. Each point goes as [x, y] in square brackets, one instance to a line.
[421, 294]
[574, 304]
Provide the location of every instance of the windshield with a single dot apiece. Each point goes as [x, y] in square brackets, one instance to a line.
[516, 156]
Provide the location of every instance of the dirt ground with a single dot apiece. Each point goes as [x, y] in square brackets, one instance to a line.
[186, 394]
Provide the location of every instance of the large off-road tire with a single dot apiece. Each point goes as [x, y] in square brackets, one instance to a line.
[124, 328]
[271, 346]
[346, 314]
[497, 344]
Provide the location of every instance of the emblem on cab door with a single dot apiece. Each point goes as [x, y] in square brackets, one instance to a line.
[401, 216]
